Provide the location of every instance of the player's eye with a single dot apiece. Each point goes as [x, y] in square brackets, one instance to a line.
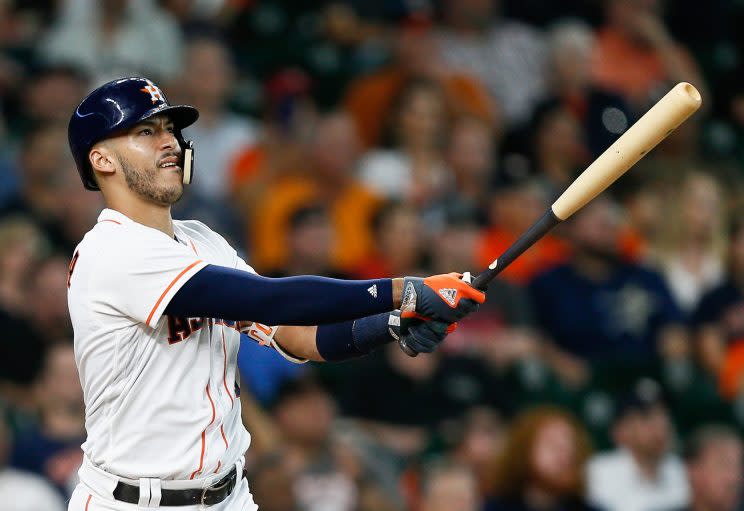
[145, 131]
[170, 129]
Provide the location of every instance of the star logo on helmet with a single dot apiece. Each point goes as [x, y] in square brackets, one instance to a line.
[154, 92]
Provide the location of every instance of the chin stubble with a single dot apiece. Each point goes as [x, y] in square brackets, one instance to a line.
[144, 184]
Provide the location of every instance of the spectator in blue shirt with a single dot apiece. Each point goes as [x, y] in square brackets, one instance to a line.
[597, 307]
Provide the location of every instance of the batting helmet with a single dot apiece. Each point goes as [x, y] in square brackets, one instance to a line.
[115, 107]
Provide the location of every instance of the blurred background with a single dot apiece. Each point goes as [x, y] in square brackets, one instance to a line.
[372, 138]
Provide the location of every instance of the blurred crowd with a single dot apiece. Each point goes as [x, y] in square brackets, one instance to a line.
[372, 138]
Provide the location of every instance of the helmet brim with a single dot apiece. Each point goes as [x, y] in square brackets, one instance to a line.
[181, 115]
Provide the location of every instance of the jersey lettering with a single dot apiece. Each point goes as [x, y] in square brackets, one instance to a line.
[179, 329]
[72, 268]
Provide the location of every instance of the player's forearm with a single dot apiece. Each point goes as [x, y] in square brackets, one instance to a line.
[336, 342]
[397, 293]
[226, 293]
[299, 341]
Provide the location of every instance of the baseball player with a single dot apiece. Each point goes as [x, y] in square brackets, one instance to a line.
[159, 307]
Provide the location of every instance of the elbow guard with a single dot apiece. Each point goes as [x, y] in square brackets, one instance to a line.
[264, 335]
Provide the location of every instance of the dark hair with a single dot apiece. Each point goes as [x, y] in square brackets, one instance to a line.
[390, 134]
[736, 223]
[386, 210]
[301, 386]
[643, 395]
[301, 216]
[545, 111]
[704, 437]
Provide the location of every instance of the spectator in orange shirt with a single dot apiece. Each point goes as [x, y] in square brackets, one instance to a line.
[417, 56]
[636, 55]
[518, 200]
[524, 188]
[327, 178]
[309, 242]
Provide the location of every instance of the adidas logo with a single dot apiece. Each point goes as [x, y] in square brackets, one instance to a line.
[409, 298]
[449, 294]
[372, 290]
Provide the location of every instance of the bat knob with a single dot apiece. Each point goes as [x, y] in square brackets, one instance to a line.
[406, 348]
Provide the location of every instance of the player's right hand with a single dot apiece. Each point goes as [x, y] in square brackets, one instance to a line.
[445, 298]
[416, 336]
[424, 336]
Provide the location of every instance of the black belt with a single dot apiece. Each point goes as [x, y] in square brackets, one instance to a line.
[206, 497]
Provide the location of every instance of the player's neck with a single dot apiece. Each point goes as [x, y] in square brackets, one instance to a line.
[145, 213]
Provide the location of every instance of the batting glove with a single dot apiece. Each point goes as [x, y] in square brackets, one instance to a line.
[419, 336]
[445, 298]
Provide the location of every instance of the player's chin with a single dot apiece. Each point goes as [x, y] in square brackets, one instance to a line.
[175, 193]
[169, 193]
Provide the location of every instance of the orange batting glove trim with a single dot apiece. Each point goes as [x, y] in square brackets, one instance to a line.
[414, 315]
[451, 289]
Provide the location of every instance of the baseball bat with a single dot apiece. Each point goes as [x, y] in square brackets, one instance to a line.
[655, 125]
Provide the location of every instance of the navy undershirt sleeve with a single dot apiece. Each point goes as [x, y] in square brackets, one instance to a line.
[227, 293]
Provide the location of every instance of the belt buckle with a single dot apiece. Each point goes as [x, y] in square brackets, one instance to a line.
[217, 487]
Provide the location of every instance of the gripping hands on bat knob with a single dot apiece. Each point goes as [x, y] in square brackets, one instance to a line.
[442, 298]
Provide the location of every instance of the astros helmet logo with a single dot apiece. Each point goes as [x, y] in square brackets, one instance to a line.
[154, 92]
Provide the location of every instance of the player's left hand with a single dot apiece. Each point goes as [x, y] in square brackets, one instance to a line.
[446, 298]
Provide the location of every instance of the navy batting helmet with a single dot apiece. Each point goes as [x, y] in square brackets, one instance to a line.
[117, 106]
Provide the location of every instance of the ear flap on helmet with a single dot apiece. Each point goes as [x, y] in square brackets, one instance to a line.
[188, 162]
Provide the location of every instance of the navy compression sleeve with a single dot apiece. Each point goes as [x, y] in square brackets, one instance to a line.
[227, 293]
[352, 339]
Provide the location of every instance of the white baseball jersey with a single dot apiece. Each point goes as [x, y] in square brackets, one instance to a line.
[160, 392]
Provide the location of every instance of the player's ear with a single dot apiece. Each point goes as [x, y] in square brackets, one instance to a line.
[102, 159]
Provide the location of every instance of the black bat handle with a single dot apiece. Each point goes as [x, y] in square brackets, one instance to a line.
[534, 233]
[529, 238]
